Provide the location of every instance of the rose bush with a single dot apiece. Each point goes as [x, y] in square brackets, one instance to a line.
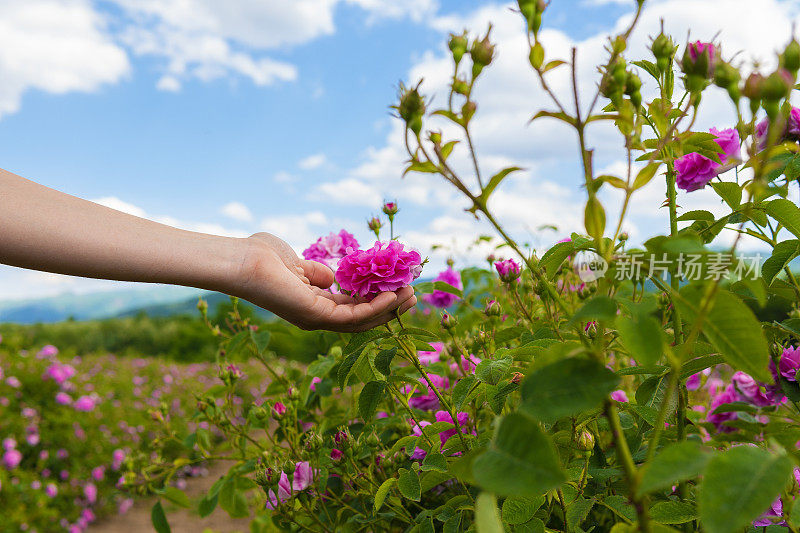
[646, 396]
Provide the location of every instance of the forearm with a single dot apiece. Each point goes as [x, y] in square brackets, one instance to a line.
[44, 229]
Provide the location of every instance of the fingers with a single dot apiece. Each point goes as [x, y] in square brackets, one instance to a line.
[317, 274]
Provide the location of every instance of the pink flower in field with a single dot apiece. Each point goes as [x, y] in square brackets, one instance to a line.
[59, 372]
[789, 363]
[619, 396]
[768, 517]
[428, 358]
[279, 409]
[12, 458]
[418, 453]
[336, 454]
[384, 267]
[729, 395]
[728, 140]
[98, 473]
[90, 491]
[47, 351]
[427, 401]
[303, 476]
[749, 390]
[444, 299]
[62, 398]
[468, 364]
[51, 489]
[444, 416]
[9, 443]
[284, 492]
[125, 505]
[84, 403]
[13, 382]
[32, 439]
[314, 382]
[329, 249]
[117, 456]
[62, 453]
[693, 381]
[694, 171]
[508, 270]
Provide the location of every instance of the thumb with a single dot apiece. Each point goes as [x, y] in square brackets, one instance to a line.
[318, 274]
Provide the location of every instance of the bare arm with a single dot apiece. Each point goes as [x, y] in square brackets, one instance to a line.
[43, 229]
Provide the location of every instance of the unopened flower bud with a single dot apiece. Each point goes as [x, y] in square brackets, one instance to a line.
[460, 87]
[278, 410]
[699, 59]
[436, 137]
[375, 225]
[336, 455]
[492, 308]
[754, 86]
[411, 108]
[293, 393]
[508, 270]
[202, 306]
[468, 110]
[585, 441]
[458, 46]
[790, 59]
[390, 209]
[482, 53]
[343, 438]
[777, 85]
[624, 236]
[663, 49]
[448, 321]
[373, 441]
[262, 479]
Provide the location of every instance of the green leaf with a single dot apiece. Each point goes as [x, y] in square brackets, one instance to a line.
[598, 308]
[495, 180]
[732, 328]
[408, 483]
[672, 512]
[794, 514]
[577, 513]
[261, 339]
[232, 500]
[782, 254]
[566, 387]
[559, 115]
[359, 341]
[677, 462]
[461, 390]
[642, 336]
[321, 367]
[520, 461]
[237, 343]
[177, 496]
[594, 218]
[207, 505]
[730, 192]
[487, 518]
[159, 519]
[444, 287]
[644, 176]
[370, 397]
[382, 492]
[786, 213]
[383, 361]
[738, 485]
[518, 510]
[649, 67]
[493, 370]
[434, 461]
[552, 258]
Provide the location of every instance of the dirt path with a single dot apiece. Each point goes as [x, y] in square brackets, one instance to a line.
[137, 520]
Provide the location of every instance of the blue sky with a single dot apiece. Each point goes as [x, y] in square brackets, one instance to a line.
[277, 119]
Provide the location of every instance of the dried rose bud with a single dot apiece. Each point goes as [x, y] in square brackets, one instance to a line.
[585, 441]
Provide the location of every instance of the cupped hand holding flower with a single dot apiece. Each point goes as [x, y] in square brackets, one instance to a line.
[272, 276]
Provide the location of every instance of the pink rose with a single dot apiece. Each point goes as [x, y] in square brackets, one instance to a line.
[441, 298]
[51, 490]
[303, 476]
[428, 358]
[728, 140]
[694, 171]
[619, 396]
[329, 249]
[508, 270]
[62, 398]
[12, 458]
[84, 403]
[384, 267]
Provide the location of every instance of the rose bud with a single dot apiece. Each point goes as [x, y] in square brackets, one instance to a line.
[790, 59]
[390, 209]
[492, 308]
[508, 270]
[585, 441]
[278, 410]
[458, 46]
[448, 321]
[664, 50]
[482, 53]
[411, 108]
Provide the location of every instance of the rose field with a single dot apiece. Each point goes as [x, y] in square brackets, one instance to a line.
[598, 384]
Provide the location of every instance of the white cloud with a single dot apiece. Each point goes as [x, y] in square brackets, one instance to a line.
[169, 84]
[56, 47]
[313, 161]
[237, 211]
[417, 10]
[120, 205]
[350, 191]
[298, 230]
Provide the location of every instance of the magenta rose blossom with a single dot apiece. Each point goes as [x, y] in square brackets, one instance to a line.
[508, 270]
[384, 267]
[619, 396]
[444, 299]
[729, 395]
[694, 171]
[749, 390]
[329, 249]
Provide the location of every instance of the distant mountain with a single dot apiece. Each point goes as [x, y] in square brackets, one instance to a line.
[96, 305]
[188, 306]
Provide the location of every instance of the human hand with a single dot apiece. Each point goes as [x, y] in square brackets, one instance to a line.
[272, 276]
